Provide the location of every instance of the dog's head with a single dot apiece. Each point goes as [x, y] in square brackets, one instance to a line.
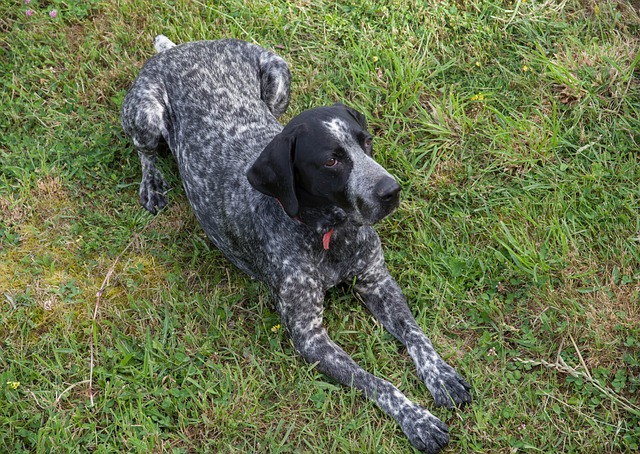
[321, 171]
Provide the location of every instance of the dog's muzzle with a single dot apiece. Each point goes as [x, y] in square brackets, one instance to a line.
[383, 199]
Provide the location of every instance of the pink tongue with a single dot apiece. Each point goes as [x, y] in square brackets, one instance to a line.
[326, 238]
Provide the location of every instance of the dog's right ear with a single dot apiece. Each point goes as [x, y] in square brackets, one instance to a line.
[272, 173]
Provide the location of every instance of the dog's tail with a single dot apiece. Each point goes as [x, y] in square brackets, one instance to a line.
[162, 43]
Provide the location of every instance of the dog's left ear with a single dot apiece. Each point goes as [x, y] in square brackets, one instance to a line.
[272, 173]
[353, 113]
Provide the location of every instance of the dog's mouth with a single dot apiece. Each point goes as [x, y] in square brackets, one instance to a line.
[373, 199]
[371, 215]
[372, 210]
[325, 213]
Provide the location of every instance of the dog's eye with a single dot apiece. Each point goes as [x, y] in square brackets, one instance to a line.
[331, 162]
[368, 143]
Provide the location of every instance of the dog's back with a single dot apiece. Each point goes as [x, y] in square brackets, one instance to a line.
[216, 104]
[203, 89]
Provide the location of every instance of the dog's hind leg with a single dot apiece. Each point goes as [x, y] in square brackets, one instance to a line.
[275, 81]
[144, 120]
[152, 187]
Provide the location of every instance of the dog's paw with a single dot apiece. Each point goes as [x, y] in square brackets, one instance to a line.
[425, 432]
[152, 191]
[446, 386]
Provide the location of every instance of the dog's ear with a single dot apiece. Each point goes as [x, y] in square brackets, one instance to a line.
[272, 173]
[353, 113]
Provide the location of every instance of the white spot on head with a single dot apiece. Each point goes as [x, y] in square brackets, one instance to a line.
[340, 130]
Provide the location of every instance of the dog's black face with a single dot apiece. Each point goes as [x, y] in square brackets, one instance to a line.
[321, 170]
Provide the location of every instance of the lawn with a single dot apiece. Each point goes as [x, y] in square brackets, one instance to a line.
[513, 128]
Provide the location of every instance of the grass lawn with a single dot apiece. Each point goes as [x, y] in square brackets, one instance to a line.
[513, 127]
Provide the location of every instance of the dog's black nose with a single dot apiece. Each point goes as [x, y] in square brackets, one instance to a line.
[387, 189]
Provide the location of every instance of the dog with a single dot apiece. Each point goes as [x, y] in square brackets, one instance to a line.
[292, 206]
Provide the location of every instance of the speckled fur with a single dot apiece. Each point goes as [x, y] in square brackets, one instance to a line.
[216, 104]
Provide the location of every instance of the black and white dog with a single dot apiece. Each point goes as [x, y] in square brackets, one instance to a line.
[292, 207]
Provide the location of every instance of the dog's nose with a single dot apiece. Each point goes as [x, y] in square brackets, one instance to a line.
[387, 189]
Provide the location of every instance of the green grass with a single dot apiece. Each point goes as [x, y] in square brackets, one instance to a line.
[513, 128]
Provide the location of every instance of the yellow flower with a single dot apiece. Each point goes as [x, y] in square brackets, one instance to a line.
[13, 384]
[478, 97]
[525, 68]
[375, 58]
[478, 64]
[276, 328]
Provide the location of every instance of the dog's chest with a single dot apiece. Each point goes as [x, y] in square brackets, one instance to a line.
[346, 257]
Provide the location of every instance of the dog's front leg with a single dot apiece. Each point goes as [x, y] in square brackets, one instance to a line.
[382, 295]
[300, 305]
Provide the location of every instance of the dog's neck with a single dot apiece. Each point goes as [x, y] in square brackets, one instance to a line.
[321, 220]
[318, 213]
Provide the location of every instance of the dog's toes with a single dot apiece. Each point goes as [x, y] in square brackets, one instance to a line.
[426, 432]
[153, 202]
[152, 193]
[452, 393]
[448, 388]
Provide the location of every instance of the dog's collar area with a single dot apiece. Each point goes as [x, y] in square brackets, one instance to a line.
[326, 239]
[326, 236]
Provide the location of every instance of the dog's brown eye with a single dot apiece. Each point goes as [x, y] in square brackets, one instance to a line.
[368, 141]
[331, 162]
